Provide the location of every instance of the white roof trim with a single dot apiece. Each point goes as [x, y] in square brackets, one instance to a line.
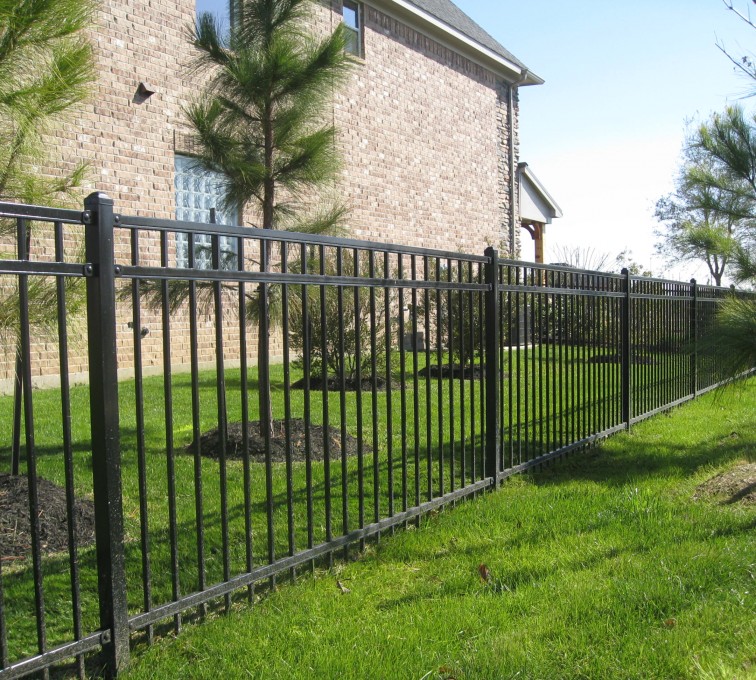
[527, 173]
[509, 67]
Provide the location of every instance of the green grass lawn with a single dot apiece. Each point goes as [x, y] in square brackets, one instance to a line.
[584, 384]
[602, 566]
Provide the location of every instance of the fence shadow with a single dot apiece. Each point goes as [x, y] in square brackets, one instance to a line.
[643, 458]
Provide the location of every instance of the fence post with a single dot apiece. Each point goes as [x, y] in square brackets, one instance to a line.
[493, 445]
[694, 333]
[627, 349]
[106, 455]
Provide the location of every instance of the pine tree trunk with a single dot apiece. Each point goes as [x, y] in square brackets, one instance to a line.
[18, 390]
[263, 366]
[17, 394]
[263, 340]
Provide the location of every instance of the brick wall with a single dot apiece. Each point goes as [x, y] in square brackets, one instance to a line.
[424, 134]
[421, 130]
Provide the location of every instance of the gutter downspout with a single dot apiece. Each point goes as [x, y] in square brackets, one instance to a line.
[512, 168]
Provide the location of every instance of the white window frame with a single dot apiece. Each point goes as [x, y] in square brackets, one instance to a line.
[355, 31]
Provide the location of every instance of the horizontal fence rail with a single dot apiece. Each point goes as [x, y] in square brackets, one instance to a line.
[287, 397]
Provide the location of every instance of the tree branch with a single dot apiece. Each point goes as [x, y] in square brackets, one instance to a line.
[728, 4]
[744, 64]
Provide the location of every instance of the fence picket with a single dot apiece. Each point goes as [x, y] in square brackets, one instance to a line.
[563, 357]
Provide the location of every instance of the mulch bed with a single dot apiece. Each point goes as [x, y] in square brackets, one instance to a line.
[334, 384]
[15, 529]
[737, 485]
[210, 442]
[476, 372]
[616, 359]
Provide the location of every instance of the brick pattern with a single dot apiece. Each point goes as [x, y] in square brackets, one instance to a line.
[424, 134]
[420, 131]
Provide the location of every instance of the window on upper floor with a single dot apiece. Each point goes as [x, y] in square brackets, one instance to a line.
[199, 197]
[352, 17]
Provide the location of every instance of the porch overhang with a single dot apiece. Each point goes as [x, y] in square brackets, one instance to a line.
[537, 208]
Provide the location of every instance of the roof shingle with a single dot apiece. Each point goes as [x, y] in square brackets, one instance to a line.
[453, 16]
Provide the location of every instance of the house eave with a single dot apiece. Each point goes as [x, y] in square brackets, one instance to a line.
[457, 41]
[526, 173]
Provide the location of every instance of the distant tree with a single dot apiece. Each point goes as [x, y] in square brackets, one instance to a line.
[260, 122]
[580, 257]
[702, 221]
[584, 323]
[625, 260]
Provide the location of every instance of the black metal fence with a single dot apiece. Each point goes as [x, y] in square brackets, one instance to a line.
[388, 381]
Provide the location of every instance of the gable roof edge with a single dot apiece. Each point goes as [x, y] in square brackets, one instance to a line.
[524, 171]
[511, 70]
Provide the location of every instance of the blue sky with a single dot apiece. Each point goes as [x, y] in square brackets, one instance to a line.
[604, 133]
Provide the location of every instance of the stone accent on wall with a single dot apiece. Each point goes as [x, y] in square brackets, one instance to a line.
[517, 252]
[504, 130]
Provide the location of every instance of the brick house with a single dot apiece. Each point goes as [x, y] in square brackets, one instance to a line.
[431, 86]
[427, 122]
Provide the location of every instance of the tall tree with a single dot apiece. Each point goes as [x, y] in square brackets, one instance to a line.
[728, 141]
[260, 122]
[702, 221]
[46, 70]
[731, 140]
[725, 184]
[745, 64]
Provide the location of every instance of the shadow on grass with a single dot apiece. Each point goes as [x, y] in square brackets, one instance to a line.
[18, 583]
[79, 448]
[501, 583]
[641, 458]
[42, 452]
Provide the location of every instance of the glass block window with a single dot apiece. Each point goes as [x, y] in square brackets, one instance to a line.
[199, 193]
[352, 17]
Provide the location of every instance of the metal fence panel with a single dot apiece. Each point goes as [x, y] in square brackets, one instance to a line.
[47, 611]
[288, 399]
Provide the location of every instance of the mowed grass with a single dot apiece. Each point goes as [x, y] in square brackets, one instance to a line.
[601, 566]
[455, 438]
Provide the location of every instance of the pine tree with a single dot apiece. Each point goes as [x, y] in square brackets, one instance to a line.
[260, 122]
[728, 141]
[45, 71]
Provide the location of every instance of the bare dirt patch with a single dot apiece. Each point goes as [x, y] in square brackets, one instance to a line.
[15, 528]
[736, 485]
